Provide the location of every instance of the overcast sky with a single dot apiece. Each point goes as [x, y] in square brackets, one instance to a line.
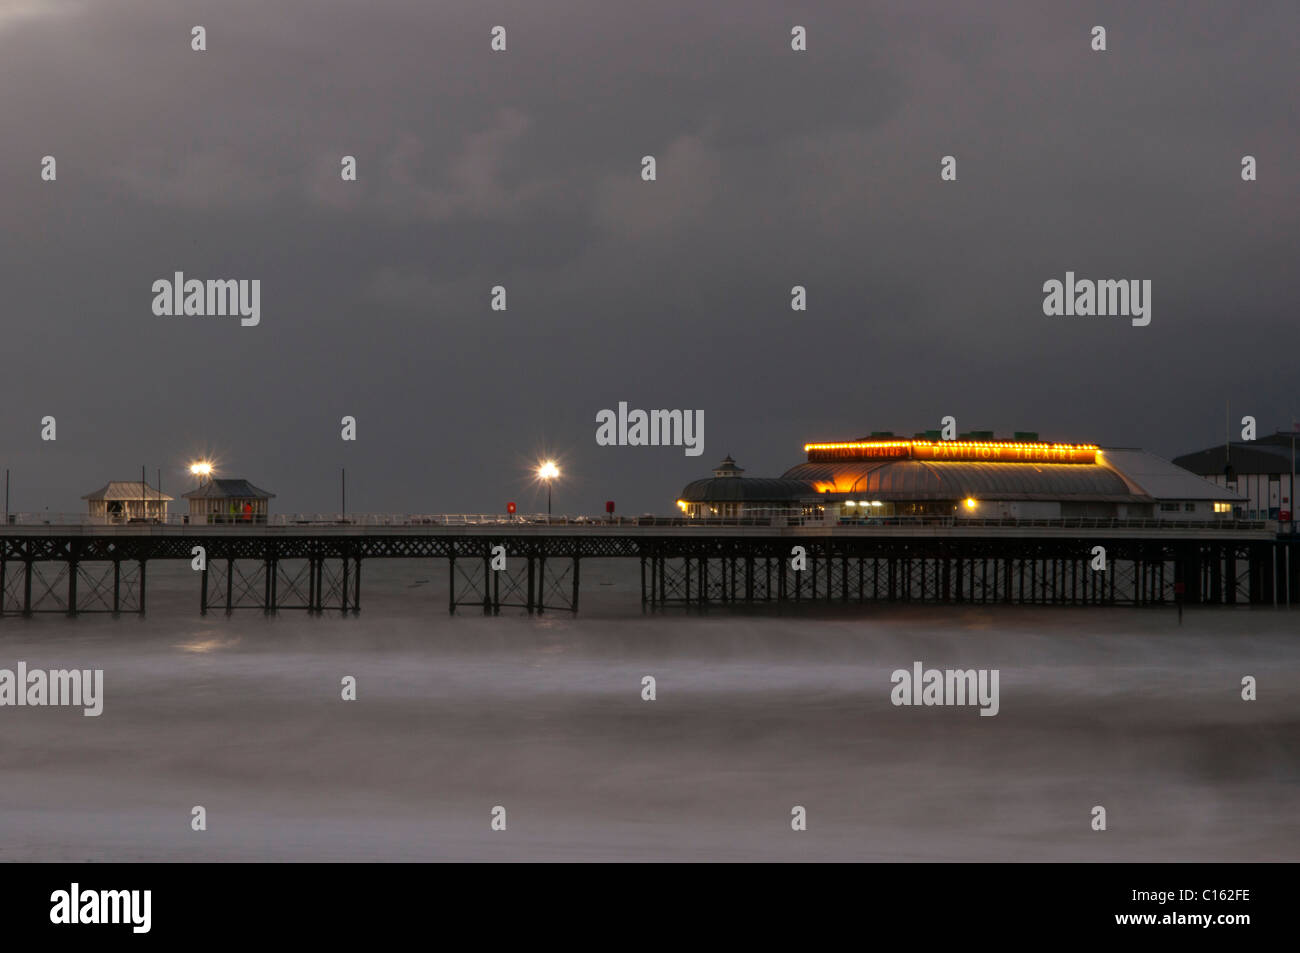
[522, 169]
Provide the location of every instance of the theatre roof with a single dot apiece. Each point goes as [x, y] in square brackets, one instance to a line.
[942, 480]
[745, 490]
[1161, 480]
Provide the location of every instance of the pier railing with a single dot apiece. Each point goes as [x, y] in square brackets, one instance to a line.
[505, 522]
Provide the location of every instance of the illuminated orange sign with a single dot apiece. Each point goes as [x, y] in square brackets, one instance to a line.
[955, 450]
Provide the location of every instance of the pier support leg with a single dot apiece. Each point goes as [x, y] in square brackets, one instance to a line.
[451, 580]
[344, 604]
[541, 584]
[72, 588]
[496, 593]
[320, 585]
[576, 563]
[356, 588]
[532, 585]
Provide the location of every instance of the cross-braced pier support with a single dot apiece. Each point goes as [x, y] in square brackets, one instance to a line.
[75, 573]
[1018, 571]
[316, 584]
[528, 580]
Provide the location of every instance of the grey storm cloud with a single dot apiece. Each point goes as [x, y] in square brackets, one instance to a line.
[521, 169]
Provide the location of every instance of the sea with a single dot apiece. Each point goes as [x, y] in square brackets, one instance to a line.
[770, 735]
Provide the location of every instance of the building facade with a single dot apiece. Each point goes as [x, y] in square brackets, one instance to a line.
[120, 501]
[228, 501]
[975, 477]
[1262, 471]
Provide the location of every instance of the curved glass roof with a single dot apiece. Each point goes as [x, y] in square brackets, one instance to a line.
[931, 480]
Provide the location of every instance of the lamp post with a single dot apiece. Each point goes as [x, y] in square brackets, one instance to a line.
[200, 469]
[548, 471]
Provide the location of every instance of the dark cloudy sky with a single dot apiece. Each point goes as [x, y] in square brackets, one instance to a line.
[522, 169]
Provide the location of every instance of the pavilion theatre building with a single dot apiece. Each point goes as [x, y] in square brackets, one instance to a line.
[974, 477]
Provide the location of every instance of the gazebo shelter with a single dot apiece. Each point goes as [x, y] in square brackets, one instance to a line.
[228, 501]
[122, 500]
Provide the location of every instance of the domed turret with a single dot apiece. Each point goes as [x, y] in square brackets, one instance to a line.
[727, 468]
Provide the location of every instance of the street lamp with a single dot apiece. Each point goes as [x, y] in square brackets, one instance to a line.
[548, 471]
[201, 469]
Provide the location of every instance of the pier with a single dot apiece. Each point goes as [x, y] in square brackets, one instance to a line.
[316, 565]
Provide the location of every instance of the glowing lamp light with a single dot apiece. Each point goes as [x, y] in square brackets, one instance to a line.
[547, 471]
[970, 503]
[201, 468]
[972, 451]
